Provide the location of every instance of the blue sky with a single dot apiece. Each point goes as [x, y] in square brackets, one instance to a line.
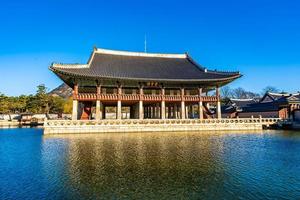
[259, 38]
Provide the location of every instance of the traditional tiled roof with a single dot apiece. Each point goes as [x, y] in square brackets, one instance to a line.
[142, 66]
[241, 102]
[228, 109]
[69, 66]
[276, 96]
[289, 99]
[261, 107]
[279, 97]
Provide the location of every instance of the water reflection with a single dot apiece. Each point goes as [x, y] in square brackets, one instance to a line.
[153, 165]
[213, 165]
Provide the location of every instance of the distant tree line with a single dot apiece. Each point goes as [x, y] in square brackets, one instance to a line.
[41, 102]
[241, 93]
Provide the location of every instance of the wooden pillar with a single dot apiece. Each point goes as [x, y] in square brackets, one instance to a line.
[163, 104]
[152, 111]
[219, 114]
[75, 110]
[98, 91]
[119, 110]
[98, 104]
[149, 112]
[141, 110]
[158, 111]
[200, 104]
[182, 104]
[98, 110]
[187, 112]
[75, 91]
[175, 111]
[163, 110]
[141, 107]
[75, 102]
[119, 104]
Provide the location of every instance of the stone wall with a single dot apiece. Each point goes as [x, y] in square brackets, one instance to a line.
[9, 124]
[109, 126]
[274, 114]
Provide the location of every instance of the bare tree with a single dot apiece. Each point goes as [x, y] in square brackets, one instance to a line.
[226, 92]
[252, 95]
[270, 89]
[239, 93]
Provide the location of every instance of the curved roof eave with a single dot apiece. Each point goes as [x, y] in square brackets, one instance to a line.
[230, 78]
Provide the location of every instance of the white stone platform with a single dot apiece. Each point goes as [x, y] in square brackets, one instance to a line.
[9, 124]
[154, 125]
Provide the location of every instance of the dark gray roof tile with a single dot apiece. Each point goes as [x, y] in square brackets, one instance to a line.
[130, 65]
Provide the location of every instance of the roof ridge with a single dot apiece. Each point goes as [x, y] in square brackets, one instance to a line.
[69, 65]
[141, 54]
[278, 94]
[200, 67]
[242, 99]
[210, 71]
[223, 72]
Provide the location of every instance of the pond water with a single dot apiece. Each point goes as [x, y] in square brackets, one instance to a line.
[214, 165]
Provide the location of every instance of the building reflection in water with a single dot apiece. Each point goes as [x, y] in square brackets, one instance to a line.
[144, 165]
[139, 165]
[214, 165]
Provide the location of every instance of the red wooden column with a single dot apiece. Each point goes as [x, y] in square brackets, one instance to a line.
[75, 102]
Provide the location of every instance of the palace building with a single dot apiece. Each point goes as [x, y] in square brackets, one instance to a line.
[142, 86]
[271, 105]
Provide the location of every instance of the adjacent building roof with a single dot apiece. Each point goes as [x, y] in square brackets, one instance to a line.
[280, 97]
[261, 107]
[142, 66]
[269, 102]
[241, 102]
[228, 109]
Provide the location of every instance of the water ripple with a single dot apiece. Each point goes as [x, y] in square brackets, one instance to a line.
[150, 166]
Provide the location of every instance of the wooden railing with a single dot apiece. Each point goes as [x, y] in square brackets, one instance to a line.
[145, 97]
[66, 123]
[172, 98]
[86, 96]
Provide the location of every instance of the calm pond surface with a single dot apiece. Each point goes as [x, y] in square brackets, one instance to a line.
[262, 165]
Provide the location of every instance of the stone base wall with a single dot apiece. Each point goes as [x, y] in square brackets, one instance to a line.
[113, 126]
[257, 114]
[9, 124]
